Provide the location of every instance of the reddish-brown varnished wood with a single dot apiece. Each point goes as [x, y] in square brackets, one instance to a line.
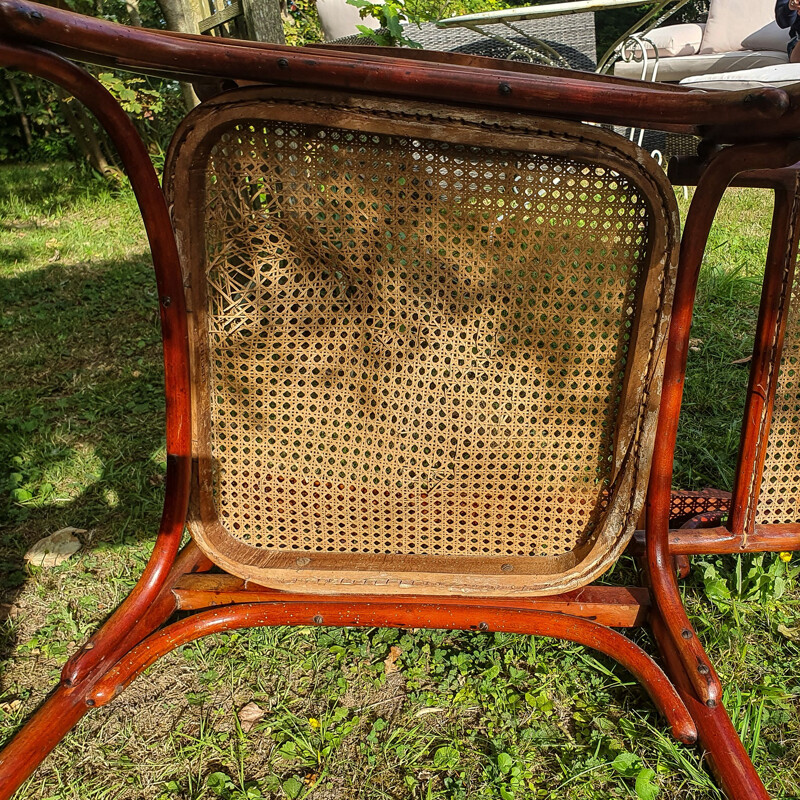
[190, 561]
[718, 539]
[68, 703]
[138, 165]
[613, 606]
[185, 56]
[711, 186]
[358, 613]
[727, 757]
[41, 733]
[683, 566]
[125, 645]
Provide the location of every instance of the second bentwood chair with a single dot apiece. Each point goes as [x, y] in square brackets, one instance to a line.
[414, 352]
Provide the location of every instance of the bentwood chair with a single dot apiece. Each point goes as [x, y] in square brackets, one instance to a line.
[765, 503]
[422, 358]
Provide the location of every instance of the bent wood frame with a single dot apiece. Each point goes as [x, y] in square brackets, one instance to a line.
[409, 570]
[687, 691]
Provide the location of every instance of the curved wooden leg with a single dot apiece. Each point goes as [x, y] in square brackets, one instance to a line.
[70, 701]
[155, 215]
[43, 731]
[350, 612]
[724, 750]
[68, 704]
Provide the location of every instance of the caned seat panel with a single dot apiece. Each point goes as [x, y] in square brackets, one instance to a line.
[427, 342]
[779, 497]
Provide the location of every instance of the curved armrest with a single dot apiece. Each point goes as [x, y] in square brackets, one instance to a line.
[755, 115]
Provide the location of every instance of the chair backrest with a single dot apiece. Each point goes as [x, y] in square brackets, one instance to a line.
[427, 341]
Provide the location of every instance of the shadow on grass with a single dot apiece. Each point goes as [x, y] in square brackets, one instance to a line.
[81, 411]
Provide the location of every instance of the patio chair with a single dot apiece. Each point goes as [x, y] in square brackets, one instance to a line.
[414, 352]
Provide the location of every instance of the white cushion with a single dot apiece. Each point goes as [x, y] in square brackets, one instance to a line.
[675, 69]
[338, 19]
[675, 40]
[731, 21]
[770, 37]
[783, 75]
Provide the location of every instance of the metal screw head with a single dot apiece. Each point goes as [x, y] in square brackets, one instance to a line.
[166, 301]
[504, 88]
[507, 568]
[318, 620]
[283, 63]
[703, 669]
[686, 633]
[303, 562]
[483, 626]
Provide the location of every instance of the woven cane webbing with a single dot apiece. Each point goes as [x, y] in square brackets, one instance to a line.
[779, 499]
[417, 346]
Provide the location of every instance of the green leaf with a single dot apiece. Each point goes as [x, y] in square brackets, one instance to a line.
[288, 750]
[505, 762]
[271, 783]
[716, 588]
[627, 764]
[645, 788]
[394, 26]
[21, 495]
[506, 794]
[220, 784]
[12, 579]
[292, 788]
[446, 757]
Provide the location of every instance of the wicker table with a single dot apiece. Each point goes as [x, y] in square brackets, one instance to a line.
[538, 39]
[512, 28]
[575, 47]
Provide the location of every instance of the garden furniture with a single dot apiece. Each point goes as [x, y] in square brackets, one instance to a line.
[425, 327]
[538, 40]
[505, 25]
[739, 35]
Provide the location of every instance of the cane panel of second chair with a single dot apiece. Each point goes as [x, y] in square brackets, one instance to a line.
[427, 342]
[779, 498]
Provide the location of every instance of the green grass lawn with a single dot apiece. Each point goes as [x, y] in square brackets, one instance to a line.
[464, 715]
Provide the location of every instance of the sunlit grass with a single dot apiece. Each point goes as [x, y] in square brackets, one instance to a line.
[466, 716]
